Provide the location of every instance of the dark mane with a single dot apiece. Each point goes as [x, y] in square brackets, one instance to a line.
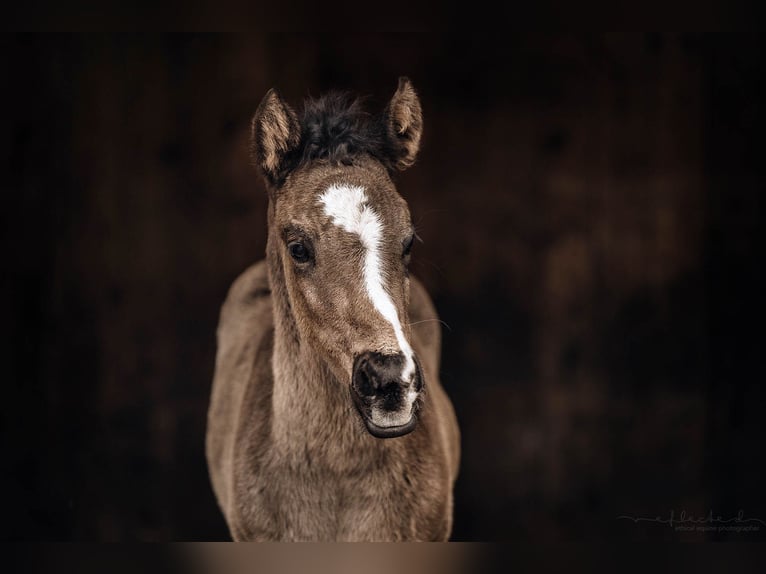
[336, 128]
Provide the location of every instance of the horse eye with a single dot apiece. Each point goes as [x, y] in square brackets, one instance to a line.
[298, 251]
[408, 245]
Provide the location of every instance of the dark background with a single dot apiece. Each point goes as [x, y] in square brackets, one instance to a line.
[589, 207]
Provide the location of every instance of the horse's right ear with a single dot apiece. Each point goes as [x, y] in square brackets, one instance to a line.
[274, 133]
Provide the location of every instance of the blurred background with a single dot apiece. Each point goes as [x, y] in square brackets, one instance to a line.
[589, 207]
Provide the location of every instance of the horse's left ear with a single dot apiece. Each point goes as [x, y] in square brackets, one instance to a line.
[404, 124]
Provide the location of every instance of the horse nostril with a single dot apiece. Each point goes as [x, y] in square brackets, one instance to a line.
[364, 385]
[378, 375]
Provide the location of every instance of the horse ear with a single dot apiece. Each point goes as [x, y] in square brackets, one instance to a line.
[274, 133]
[404, 124]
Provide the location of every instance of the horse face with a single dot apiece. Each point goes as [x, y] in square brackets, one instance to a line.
[344, 240]
[341, 236]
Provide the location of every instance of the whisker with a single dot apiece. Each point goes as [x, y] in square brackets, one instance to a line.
[424, 261]
[430, 320]
[422, 214]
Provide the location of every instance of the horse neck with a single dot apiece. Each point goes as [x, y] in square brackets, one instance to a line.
[312, 411]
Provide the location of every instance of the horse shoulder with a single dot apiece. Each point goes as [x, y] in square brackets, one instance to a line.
[426, 332]
[244, 327]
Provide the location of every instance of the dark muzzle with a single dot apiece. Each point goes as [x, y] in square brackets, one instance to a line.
[382, 398]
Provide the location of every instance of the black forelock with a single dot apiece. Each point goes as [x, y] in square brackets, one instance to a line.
[336, 128]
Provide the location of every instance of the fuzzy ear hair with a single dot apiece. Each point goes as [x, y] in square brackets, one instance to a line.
[404, 124]
[274, 133]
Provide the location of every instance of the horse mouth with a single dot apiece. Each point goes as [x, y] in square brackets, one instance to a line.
[389, 430]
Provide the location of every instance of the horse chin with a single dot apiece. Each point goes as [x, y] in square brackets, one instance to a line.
[390, 431]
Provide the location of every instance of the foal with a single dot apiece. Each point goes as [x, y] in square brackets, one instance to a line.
[327, 420]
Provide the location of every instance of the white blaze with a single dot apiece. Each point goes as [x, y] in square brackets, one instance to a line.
[347, 206]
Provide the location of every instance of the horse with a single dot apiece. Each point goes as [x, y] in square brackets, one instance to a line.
[327, 420]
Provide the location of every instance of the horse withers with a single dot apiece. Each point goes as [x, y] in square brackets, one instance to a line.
[327, 420]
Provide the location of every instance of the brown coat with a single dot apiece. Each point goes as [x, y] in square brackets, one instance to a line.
[289, 456]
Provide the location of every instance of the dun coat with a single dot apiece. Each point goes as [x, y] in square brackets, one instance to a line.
[327, 420]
